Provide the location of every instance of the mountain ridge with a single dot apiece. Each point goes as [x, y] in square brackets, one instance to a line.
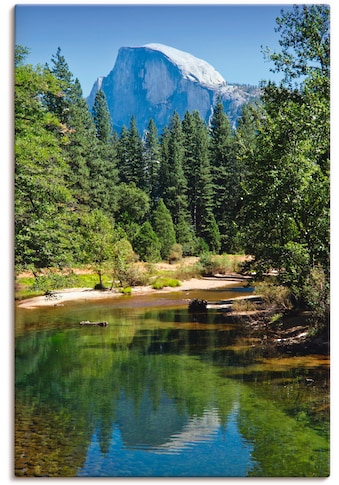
[154, 80]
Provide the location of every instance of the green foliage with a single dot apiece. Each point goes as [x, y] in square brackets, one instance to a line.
[42, 197]
[161, 282]
[274, 295]
[173, 183]
[126, 290]
[175, 253]
[102, 117]
[130, 153]
[164, 228]
[226, 173]
[122, 257]
[132, 204]
[97, 241]
[305, 42]
[147, 244]
[316, 295]
[286, 188]
[151, 160]
[185, 234]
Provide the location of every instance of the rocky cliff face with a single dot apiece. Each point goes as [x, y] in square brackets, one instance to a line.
[155, 80]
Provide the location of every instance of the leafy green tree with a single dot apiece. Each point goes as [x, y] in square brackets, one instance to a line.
[287, 190]
[305, 43]
[78, 129]
[164, 228]
[123, 256]
[42, 198]
[97, 242]
[133, 204]
[147, 244]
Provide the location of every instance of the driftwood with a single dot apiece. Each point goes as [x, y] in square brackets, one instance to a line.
[98, 324]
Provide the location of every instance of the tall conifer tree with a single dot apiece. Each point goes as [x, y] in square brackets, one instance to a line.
[163, 226]
[102, 117]
[106, 176]
[151, 156]
[174, 184]
[225, 174]
[198, 174]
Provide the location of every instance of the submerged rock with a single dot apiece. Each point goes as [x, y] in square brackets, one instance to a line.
[197, 306]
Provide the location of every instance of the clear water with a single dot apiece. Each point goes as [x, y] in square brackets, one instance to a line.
[157, 393]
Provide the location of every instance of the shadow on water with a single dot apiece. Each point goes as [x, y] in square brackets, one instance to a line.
[159, 394]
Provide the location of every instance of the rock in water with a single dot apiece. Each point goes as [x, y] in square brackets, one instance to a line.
[197, 306]
[155, 80]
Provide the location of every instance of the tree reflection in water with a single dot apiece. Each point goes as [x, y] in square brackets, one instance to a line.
[155, 394]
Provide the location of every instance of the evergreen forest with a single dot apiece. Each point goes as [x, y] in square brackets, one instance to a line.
[86, 195]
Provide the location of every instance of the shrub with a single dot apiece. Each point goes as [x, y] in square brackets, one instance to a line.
[274, 295]
[175, 253]
[316, 295]
[133, 276]
[126, 291]
[53, 280]
[215, 264]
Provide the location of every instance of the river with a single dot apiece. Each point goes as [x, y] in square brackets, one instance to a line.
[159, 394]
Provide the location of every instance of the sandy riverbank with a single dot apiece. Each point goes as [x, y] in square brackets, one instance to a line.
[88, 294]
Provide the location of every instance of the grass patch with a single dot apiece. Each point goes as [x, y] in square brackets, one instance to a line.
[276, 317]
[161, 282]
[126, 291]
[184, 272]
[29, 286]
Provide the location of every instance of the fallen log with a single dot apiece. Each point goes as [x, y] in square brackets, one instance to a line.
[98, 324]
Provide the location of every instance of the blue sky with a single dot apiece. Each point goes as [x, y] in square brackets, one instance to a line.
[227, 36]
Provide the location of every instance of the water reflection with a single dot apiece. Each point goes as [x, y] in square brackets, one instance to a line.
[155, 394]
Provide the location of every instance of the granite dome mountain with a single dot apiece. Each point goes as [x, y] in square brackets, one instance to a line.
[155, 80]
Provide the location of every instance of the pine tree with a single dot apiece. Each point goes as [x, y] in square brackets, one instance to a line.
[185, 234]
[197, 170]
[102, 117]
[147, 244]
[151, 157]
[225, 175]
[131, 165]
[164, 228]
[173, 181]
[59, 103]
[106, 176]
[70, 107]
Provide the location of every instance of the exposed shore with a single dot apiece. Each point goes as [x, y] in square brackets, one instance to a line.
[88, 294]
